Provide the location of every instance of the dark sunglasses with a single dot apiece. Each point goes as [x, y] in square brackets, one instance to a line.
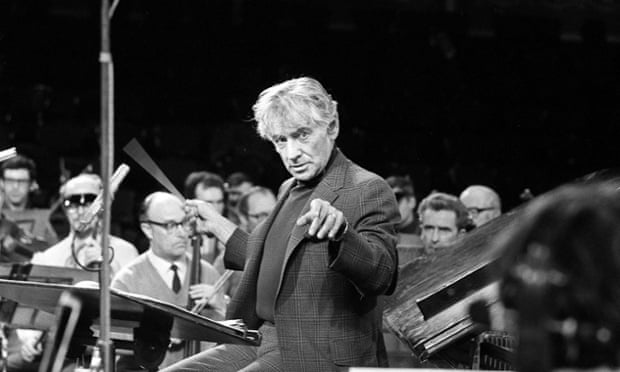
[79, 200]
[400, 195]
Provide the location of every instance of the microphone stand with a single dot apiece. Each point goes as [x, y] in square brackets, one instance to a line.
[104, 344]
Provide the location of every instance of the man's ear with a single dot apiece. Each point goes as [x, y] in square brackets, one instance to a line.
[411, 202]
[333, 129]
[34, 186]
[147, 230]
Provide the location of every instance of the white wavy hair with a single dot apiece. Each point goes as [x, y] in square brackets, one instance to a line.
[293, 103]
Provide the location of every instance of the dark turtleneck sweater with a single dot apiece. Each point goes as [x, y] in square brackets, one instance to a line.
[277, 241]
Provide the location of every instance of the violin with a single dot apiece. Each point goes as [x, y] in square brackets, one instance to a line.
[16, 245]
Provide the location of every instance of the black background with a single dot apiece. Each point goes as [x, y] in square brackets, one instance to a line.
[511, 94]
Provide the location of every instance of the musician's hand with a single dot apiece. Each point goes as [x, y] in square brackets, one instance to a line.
[324, 220]
[8, 244]
[31, 349]
[88, 251]
[200, 292]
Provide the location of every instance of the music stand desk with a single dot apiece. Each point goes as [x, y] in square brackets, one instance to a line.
[128, 311]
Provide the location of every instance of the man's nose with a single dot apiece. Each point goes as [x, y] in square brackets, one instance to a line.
[292, 150]
[435, 236]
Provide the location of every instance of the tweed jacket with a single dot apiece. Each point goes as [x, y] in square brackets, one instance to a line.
[326, 310]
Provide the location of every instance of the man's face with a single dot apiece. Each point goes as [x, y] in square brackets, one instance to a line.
[235, 192]
[259, 207]
[305, 149]
[16, 185]
[168, 242]
[79, 193]
[480, 208]
[406, 205]
[211, 195]
[438, 227]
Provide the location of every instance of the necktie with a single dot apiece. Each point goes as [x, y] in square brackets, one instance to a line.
[176, 281]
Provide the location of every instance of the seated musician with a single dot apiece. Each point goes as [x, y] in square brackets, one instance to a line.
[482, 202]
[163, 271]
[443, 219]
[17, 183]
[561, 282]
[81, 248]
[409, 243]
[210, 188]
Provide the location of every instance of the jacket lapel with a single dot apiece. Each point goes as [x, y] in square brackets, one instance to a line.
[325, 190]
[263, 228]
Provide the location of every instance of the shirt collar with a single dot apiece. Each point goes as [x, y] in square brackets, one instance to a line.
[163, 266]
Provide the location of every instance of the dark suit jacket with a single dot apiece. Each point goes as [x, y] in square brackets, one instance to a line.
[326, 310]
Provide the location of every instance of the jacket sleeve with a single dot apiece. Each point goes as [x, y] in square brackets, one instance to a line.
[236, 249]
[366, 254]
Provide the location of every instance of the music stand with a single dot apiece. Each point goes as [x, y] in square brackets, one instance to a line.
[27, 317]
[151, 321]
[61, 333]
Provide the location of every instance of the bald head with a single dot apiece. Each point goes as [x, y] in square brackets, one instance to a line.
[159, 203]
[165, 224]
[482, 202]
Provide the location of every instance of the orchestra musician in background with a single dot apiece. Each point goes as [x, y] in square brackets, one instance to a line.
[482, 202]
[315, 267]
[18, 180]
[208, 187]
[163, 271]
[81, 248]
[443, 220]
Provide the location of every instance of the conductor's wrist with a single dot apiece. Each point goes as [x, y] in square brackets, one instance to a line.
[224, 229]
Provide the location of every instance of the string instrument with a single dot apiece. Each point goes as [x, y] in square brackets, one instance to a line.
[192, 346]
[16, 245]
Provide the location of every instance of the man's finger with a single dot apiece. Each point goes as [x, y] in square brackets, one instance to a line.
[336, 226]
[317, 223]
[309, 217]
[327, 225]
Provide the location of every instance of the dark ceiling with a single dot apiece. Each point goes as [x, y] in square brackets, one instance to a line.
[514, 94]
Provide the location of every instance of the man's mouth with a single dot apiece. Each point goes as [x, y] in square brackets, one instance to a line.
[298, 167]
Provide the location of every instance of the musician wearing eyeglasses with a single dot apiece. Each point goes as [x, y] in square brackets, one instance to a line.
[315, 267]
[163, 271]
[81, 248]
[482, 202]
[17, 183]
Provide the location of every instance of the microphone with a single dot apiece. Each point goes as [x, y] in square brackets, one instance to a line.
[97, 206]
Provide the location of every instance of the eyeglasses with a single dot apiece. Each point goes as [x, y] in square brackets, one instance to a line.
[474, 211]
[218, 201]
[171, 226]
[400, 195]
[78, 200]
[258, 216]
[16, 181]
